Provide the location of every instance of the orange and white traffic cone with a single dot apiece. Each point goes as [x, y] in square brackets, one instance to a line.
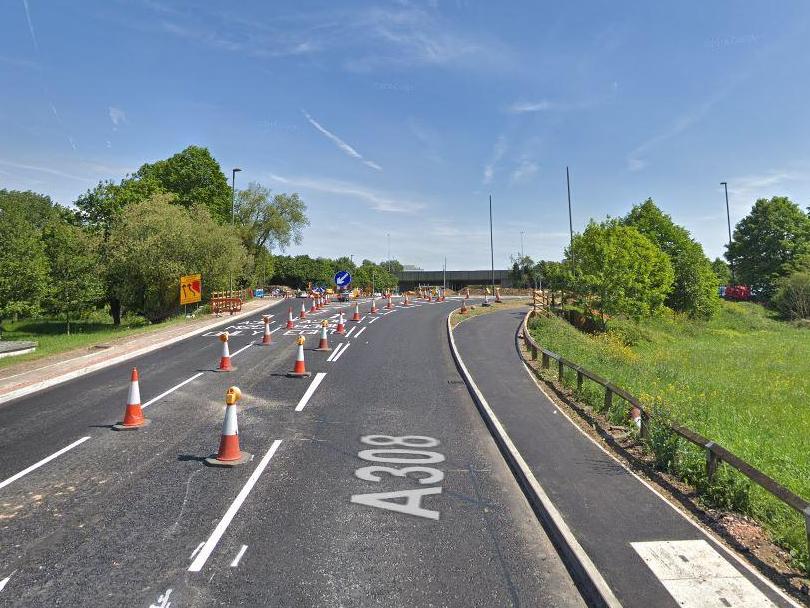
[303, 313]
[323, 345]
[300, 369]
[463, 310]
[229, 454]
[405, 302]
[312, 307]
[267, 338]
[225, 359]
[498, 295]
[356, 315]
[133, 415]
[468, 294]
[290, 324]
[389, 305]
[341, 328]
[373, 310]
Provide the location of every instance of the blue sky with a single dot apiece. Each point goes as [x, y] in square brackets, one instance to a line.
[402, 117]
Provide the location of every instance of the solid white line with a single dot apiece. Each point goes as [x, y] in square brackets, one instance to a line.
[171, 390]
[340, 354]
[45, 460]
[335, 352]
[361, 331]
[349, 333]
[223, 524]
[374, 319]
[197, 550]
[5, 581]
[241, 349]
[239, 555]
[310, 390]
[272, 331]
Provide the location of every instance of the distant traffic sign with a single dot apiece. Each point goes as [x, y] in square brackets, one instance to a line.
[190, 289]
[342, 279]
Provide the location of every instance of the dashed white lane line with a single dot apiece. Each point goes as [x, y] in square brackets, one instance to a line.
[223, 524]
[340, 354]
[697, 576]
[335, 352]
[275, 330]
[171, 390]
[241, 349]
[362, 329]
[310, 391]
[5, 581]
[197, 550]
[45, 460]
[372, 321]
[349, 333]
[239, 555]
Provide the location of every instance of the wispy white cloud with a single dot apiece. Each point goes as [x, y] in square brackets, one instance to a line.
[521, 107]
[377, 200]
[744, 190]
[117, 115]
[342, 145]
[497, 153]
[48, 170]
[526, 168]
[30, 25]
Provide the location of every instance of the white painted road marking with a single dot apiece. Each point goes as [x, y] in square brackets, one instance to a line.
[171, 390]
[223, 524]
[340, 354]
[163, 600]
[5, 581]
[349, 333]
[197, 550]
[374, 319]
[45, 460]
[362, 329]
[336, 351]
[310, 390]
[276, 329]
[241, 349]
[697, 576]
[239, 555]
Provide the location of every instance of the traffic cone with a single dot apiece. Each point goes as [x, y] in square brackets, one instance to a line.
[229, 454]
[468, 293]
[498, 295]
[300, 369]
[225, 359]
[133, 415]
[290, 324]
[303, 313]
[341, 328]
[323, 345]
[312, 307]
[405, 303]
[389, 305]
[373, 310]
[356, 315]
[267, 338]
[463, 310]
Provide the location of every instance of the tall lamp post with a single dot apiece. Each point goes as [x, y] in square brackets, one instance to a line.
[491, 246]
[728, 219]
[233, 220]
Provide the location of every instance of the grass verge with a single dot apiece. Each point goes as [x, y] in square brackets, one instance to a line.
[741, 379]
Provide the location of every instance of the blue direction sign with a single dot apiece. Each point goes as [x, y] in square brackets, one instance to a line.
[342, 279]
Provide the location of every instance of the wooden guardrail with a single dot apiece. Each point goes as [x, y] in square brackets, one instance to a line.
[228, 301]
[715, 453]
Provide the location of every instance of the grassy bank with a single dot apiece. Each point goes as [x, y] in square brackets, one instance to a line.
[51, 338]
[741, 379]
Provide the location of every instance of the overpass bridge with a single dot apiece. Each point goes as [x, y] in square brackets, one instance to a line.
[456, 279]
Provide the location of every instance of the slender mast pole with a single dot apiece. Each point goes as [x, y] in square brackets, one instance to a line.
[570, 221]
[491, 246]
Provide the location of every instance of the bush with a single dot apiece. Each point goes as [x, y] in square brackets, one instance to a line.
[792, 298]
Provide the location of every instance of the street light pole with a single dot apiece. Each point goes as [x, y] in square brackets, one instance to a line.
[570, 221]
[728, 219]
[233, 216]
[491, 246]
[522, 255]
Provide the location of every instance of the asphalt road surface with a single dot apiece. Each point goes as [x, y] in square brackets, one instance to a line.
[376, 484]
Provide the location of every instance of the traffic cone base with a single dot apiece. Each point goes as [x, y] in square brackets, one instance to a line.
[323, 349]
[131, 427]
[225, 365]
[213, 461]
[299, 374]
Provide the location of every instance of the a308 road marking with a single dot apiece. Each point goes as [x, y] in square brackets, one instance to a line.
[393, 449]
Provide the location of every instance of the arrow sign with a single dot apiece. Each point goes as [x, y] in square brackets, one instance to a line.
[342, 278]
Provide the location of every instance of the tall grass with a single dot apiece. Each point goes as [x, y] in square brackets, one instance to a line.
[741, 379]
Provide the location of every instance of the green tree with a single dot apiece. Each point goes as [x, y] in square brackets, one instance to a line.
[75, 286]
[722, 271]
[195, 177]
[767, 240]
[392, 266]
[695, 288]
[792, 297]
[625, 270]
[155, 242]
[37, 209]
[523, 272]
[23, 265]
[269, 222]
[101, 206]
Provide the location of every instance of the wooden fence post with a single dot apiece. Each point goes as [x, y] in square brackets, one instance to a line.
[561, 369]
[711, 461]
[545, 361]
[534, 353]
[608, 398]
[807, 529]
[579, 381]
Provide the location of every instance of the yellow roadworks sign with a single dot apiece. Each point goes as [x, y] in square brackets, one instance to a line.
[190, 289]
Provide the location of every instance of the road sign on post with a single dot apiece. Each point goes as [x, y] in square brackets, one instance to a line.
[342, 279]
[190, 289]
